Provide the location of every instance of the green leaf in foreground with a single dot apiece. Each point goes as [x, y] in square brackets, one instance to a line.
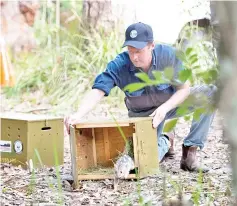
[182, 110]
[198, 112]
[187, 118]
[194, 61]
[170, 125]
[169, 73]
[193, 57]
[184, 75]
[213, 73]
[134, 87]
[144, 77]
[188, 51]
[159, 79]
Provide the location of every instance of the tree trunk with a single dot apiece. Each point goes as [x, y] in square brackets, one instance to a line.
[17, 19]
[108, 14]
[97, 13]
[227, 15]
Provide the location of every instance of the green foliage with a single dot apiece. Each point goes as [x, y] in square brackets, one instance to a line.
[60, 194]
[169, 126]
[184, 75]
[198, 190]
[59, 188]
[183, 109]
[144, 77]
[32, 185]
[194, 71]
[64, 72]
[197, 53]
[135, 86]
[197, 113]
[141, 199]
[202, 191]
[160, 77]
[169, 73]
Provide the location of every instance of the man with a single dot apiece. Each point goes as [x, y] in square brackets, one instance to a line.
[159, 101]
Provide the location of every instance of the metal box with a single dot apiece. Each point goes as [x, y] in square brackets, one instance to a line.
[28, 136]
[94, 144]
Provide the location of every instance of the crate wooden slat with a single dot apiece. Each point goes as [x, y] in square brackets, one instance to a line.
[101, 177]
[94, 147]
[147, 154]
[73, 150]
[109, 122]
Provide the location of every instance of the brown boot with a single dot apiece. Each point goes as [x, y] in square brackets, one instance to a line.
[189, 160]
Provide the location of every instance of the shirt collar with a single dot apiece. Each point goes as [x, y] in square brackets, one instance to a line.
[153, 62]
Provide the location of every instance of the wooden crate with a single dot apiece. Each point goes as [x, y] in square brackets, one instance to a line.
[94, 144]
[22, 135]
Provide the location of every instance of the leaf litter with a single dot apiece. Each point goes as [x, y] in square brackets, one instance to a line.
[20, 187]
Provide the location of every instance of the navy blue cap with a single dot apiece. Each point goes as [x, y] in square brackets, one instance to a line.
[138, 35]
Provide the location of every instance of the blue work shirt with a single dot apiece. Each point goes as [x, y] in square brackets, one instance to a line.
[120, 72]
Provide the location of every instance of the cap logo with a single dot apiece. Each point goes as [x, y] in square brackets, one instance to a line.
[133, 34]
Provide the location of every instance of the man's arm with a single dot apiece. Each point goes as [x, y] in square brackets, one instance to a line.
[177, 98]
[87, 104]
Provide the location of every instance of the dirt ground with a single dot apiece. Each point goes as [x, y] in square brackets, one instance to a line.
[20, 187]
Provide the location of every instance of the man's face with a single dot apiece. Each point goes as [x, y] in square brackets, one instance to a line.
[141, 57]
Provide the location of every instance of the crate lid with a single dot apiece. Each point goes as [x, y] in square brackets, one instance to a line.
[27, 117]
[110, 122]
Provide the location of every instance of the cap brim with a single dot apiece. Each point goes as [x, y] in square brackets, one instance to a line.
[135, 44]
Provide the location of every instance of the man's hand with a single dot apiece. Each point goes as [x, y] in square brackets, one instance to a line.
[71, 120]
[159, 115]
